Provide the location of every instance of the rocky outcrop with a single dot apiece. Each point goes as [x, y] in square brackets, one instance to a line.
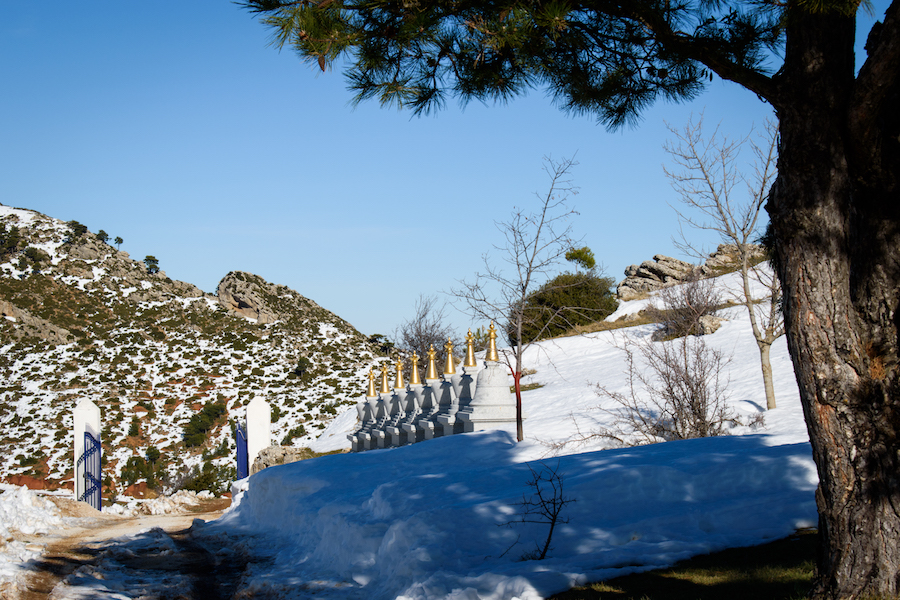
[710, 324]
[726, 259]
[27, 325]
[664, 271]
[88, 248]
[253, 297]
[652, 275]
[244, 294]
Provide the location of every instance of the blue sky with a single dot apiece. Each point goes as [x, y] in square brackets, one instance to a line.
[177, 127]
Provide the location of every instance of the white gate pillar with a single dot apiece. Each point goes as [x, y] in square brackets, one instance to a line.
[259, 429]
[86, 416]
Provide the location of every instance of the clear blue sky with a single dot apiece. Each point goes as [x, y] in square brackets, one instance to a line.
[176, 126]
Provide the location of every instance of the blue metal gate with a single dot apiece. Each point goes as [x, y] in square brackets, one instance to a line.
[243, 469]
[91, 459]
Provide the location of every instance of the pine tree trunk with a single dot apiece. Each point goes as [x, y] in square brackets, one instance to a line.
[765, 350]
[835, 210]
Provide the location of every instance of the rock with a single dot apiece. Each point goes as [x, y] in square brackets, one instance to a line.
[88, 248]
[652, 275]
[726, 259]
[253, 297]
[26, 324]
[710, 324]
[664, 271]
[187, 290]
[243, 293]
[278, 455]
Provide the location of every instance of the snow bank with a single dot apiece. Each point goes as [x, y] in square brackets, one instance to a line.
[436, 519]
[26, 513]
[430, 520]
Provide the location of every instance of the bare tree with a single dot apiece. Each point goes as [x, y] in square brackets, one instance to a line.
[680, 394]
[427, 328]
[543, 507]
[707, 177]
[534, 244]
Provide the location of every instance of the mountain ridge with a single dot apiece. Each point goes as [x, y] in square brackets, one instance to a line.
[83, 319]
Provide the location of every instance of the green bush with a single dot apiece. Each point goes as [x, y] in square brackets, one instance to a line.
[196, 429]
[298, 431]
[212, 478]
[135, 469]
[566, 301]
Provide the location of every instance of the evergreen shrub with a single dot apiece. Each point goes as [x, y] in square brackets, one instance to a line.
[566, 301]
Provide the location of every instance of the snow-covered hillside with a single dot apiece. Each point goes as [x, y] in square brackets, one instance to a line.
[83, 320]
[437, 519]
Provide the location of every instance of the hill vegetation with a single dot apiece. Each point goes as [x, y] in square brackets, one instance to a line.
[170, 366]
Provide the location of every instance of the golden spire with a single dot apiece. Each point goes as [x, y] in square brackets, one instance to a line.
[371, 393]
[398, 382]
[450, 363]
[492, 345]
[384, 379]
[414, 376]
[431, 372]
[470, 351]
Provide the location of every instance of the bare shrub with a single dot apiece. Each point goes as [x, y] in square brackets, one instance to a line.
[681, 394]
[683, 306]
[543, 507]
[427, 327]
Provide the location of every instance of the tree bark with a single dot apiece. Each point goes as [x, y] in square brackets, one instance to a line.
[520, 430]
[766, 365]
[835, 210]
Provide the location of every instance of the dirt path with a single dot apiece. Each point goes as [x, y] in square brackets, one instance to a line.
[196, 572]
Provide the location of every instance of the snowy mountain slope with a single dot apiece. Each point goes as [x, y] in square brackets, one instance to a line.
[433, 520]
[87, 321]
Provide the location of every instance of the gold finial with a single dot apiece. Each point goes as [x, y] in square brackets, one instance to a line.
[371, 392]
[398, 382]
[450, 363]
[492, 345]
[414, 376]
[470, 351]
[384, 379]
[431, 372]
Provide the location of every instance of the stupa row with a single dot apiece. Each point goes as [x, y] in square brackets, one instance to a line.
[446, 403]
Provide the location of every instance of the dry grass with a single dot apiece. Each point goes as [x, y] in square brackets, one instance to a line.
[641, 318]
[781, 570]
[526, 387]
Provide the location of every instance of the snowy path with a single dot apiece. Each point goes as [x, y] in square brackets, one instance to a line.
[134, 557]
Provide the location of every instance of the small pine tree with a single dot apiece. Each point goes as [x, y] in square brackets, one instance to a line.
[583, 257]
[152, 264]
[119, 242]
[9, 240]
[102, 236]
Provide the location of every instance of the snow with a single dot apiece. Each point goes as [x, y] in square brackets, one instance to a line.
[439, 519]
[25, 513]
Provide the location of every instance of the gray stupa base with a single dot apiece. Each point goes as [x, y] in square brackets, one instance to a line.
[379, 437]
[396, 436]
[410, 429]
[488, 417]
[448, 423]
[493, 406]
